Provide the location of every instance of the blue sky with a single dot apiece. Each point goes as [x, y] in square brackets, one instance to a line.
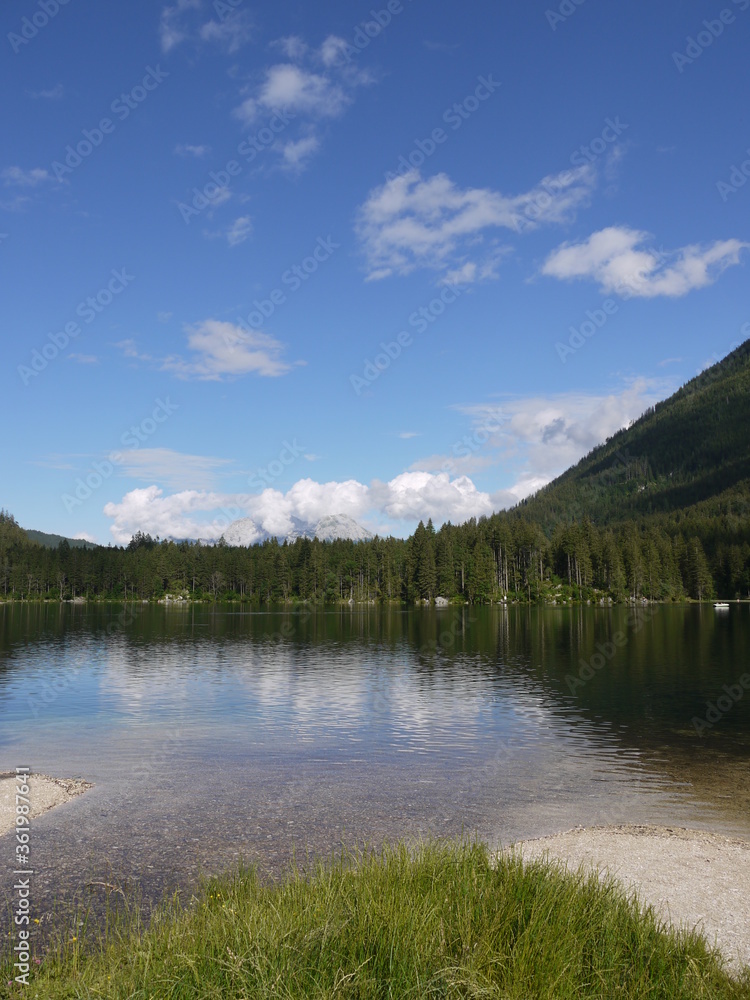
[397, 261]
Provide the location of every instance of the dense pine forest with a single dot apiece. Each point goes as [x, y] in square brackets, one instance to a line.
[661, 511]
[494, 558]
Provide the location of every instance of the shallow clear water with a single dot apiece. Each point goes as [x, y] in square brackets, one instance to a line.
[213, 733]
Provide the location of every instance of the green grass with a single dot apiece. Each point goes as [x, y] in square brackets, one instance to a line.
[440, 921]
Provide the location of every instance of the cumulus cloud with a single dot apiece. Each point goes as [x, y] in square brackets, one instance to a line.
[223, 349]
[220, 350]
[313, 87]
[18, 177]
[389, 507]
[231, 33]
[217, 197]
[411, 222]
[297, 153]
[172, 29]
[530, 440]
[239, 231]
[166, 516]
[236, 233]
[541, 437]
[293, 47]
[333, 50]
[414, 496]
[295, 89]
[619, 260]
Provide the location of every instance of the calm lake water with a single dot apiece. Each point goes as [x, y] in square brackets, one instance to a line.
[213, 733]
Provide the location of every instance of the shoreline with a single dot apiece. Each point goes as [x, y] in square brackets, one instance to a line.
[390, 603]
[693, 879]
[45, 793]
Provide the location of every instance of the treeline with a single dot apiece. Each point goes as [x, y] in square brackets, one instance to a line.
[481, 561]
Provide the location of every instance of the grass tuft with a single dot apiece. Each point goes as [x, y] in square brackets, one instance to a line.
[444, 921]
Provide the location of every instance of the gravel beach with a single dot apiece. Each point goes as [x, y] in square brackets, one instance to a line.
[44, 793]
[691, 878]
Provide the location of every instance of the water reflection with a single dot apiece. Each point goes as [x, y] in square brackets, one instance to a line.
[212, 732]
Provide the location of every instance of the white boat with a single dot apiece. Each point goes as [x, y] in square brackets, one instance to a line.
[721, 606]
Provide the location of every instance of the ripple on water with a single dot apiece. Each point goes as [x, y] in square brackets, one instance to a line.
[210, 740]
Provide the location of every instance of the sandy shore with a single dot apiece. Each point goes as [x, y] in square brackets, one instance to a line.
[691, 878]
[44, 793]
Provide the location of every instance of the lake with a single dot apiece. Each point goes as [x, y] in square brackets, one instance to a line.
[213, 733]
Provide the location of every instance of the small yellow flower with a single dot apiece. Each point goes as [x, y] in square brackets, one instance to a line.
[36, 921]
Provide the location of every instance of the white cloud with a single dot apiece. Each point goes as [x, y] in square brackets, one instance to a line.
[540, 437]
[296, 153]
[239, 231]
[173, 468]
[464, 275]
[17, 204]
[186, 149]
[414, 496]
[311, 88]
[224, 349]
[86, 537]
[297, 90]
[172, 29]
[532, 439]
[406, 499]
[231, 33]
[221, 350]
[18, 177]
[217, 198]
[471, 272]
[332, 50]
[411, 222]
[52, 94]
[618, 259]
[293, 47]
[150, 511]
[406, 435]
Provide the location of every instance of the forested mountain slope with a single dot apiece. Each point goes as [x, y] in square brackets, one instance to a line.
[693, 448]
